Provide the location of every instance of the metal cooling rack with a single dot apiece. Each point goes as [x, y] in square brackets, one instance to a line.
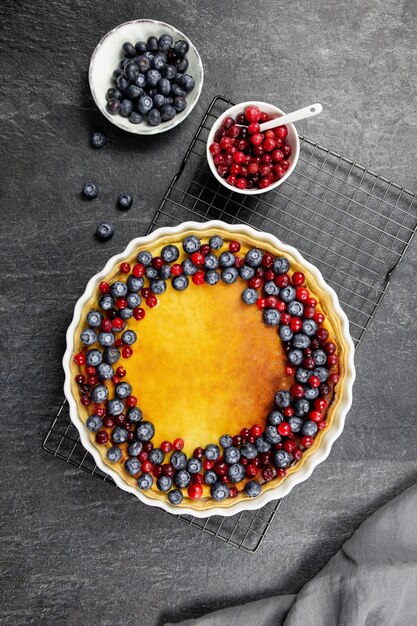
[350, 222]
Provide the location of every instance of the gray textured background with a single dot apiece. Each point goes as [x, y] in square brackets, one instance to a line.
[74, 550]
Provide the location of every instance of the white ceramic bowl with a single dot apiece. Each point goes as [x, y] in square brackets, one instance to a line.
[272, 112]
[329, 435]
[107, 56]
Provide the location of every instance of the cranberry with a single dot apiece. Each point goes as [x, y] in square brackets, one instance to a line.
[296, 324]
[215, 148]
[256, 140]
[234, 246]
[143, 456]
[244, 433]
[231, 179]
[176, 269]
[253, 128]
[255, 282]
[80, 379]
[240, 119]
[109, 422]
[324, 389]
[321, 425]
[265, 182]
[239, 261]
[237, 440]
[208, 465]
[85, 400]
[250, 439]
[251, 470]
[281, 132]
[120, 419]
[334, 378]
[197, 258]
[272, 302]
[178, 444]
[277, 156]
[220, 467]
[138, 313]
[205, 249]
[263, 118]
[286, 150]
[104, 287]
[228, 122]
[224, 479]
[252, 114]
[79, 359]
[124, 268]
[99, 410]
[145, 292]
[198, 278]
[242, 145]
[261, 303]
[118, 323]
[147, 466]
[151, 301]
[283, 280]
[322, 335]
[241, 183]
[319, 317]
[289, 370]
[298, 279]
[309, 312]
[270, 275]
[297, 391]
[268, 144]
[285, 317]
[320, 404]
[288, 411]
[226, 143]
[131, 401]
[267, 474]
[233, 492]
[168, 470]
[314, 381]
[157, 471]
[315, 416]
[219, 134]
[302, 294]
[92, 380]
[127, 352]
[308, 363]
[278, 446]
[332, 359]
[260, 272]
[279, 170]
[138, 270]
[198, 453]
[284, 429]
[306, 441]
[281, 472]
[289, 446]
[102, 437]
[233, 131]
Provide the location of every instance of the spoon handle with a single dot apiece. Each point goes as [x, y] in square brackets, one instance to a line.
[295, 116]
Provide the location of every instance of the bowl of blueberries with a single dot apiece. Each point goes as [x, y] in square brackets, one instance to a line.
[145, 76]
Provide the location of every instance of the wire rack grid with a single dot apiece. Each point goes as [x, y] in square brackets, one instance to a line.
[352, 223]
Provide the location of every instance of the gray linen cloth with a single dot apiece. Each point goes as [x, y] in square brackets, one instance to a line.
[371, 581]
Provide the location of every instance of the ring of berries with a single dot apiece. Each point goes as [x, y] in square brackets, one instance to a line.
[238, 462]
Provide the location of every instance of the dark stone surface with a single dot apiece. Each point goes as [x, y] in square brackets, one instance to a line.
[74, 550]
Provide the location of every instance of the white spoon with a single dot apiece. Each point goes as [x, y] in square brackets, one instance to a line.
[295, 116]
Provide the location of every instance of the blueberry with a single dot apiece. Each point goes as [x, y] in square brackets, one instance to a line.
[140, 47]
[158, 62]
[144, 257]
[310, 393]
[231, 454]
[230, 275]
[254, 257]
[154, 117]
[177, 91]
[105, 371]
[131, 71]
[144, 63]
[178, 460]
[288, 293]
[285, 333]
[113, 106]
[179, 103]
[90, 191]
[133, 300]
[270, 288]
[94, 318]
[123, 390]
[211, 262]
[296, 424]
[302, 375]
[126, 313]
[119, 434]
[322, 373]
[168, 112]
[135, 284]
[319, 356]
[253, 488]
[212, 277]
[168, 71]
[227, 259]
[106, 302]
[210, 477]
[236, 472]
[145, 481]
[175, 496]
[115, 75]
[309, 327]
[249, 296]
[111, 93]
[152, 78]
[182, 66]
[181, 48]
[106, 339]
[188, 267]
[300, 341]
[111, 355]
[151, 273]
[271, 317]
[145, 431]
[295, 357]
[309, 429]
[134, 92]
[94, 423]
[180, 283]
[215, 242]
[145, 104]
[115, 407]
[248, 450]
[194, 466]
[88, 337]
[186, 81]
[104, 231]
[123, 63]
[132, 466]
[134, 448]
[282, 399]
[129, 337]
[212, 452]
[99, 393]
[191, 244]
[170, 253]
[158, 286]
[164, 86]
[122, 84]
[281, 265]
[262, 445]
[114, 454]
[275, 418]
[295, 308]
[219, 491]
[301, 407]
[126, 108]
[118, 289]
[246, 272]
[282, 459]
[134, 414]
[152, 44]
[141, 81]
[165, 42]
[226, 441]
[128, 50]
[271, 434]
[158, 101]
[156, 456]
[182, 479]
[97, 140]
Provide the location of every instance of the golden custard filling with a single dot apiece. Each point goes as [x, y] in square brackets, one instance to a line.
[206, 364]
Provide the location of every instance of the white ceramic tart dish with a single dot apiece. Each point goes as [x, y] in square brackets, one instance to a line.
[205, 364]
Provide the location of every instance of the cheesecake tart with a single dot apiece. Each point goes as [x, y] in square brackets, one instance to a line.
[209, 368]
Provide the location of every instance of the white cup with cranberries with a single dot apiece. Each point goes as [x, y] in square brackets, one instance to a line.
[245, 160]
